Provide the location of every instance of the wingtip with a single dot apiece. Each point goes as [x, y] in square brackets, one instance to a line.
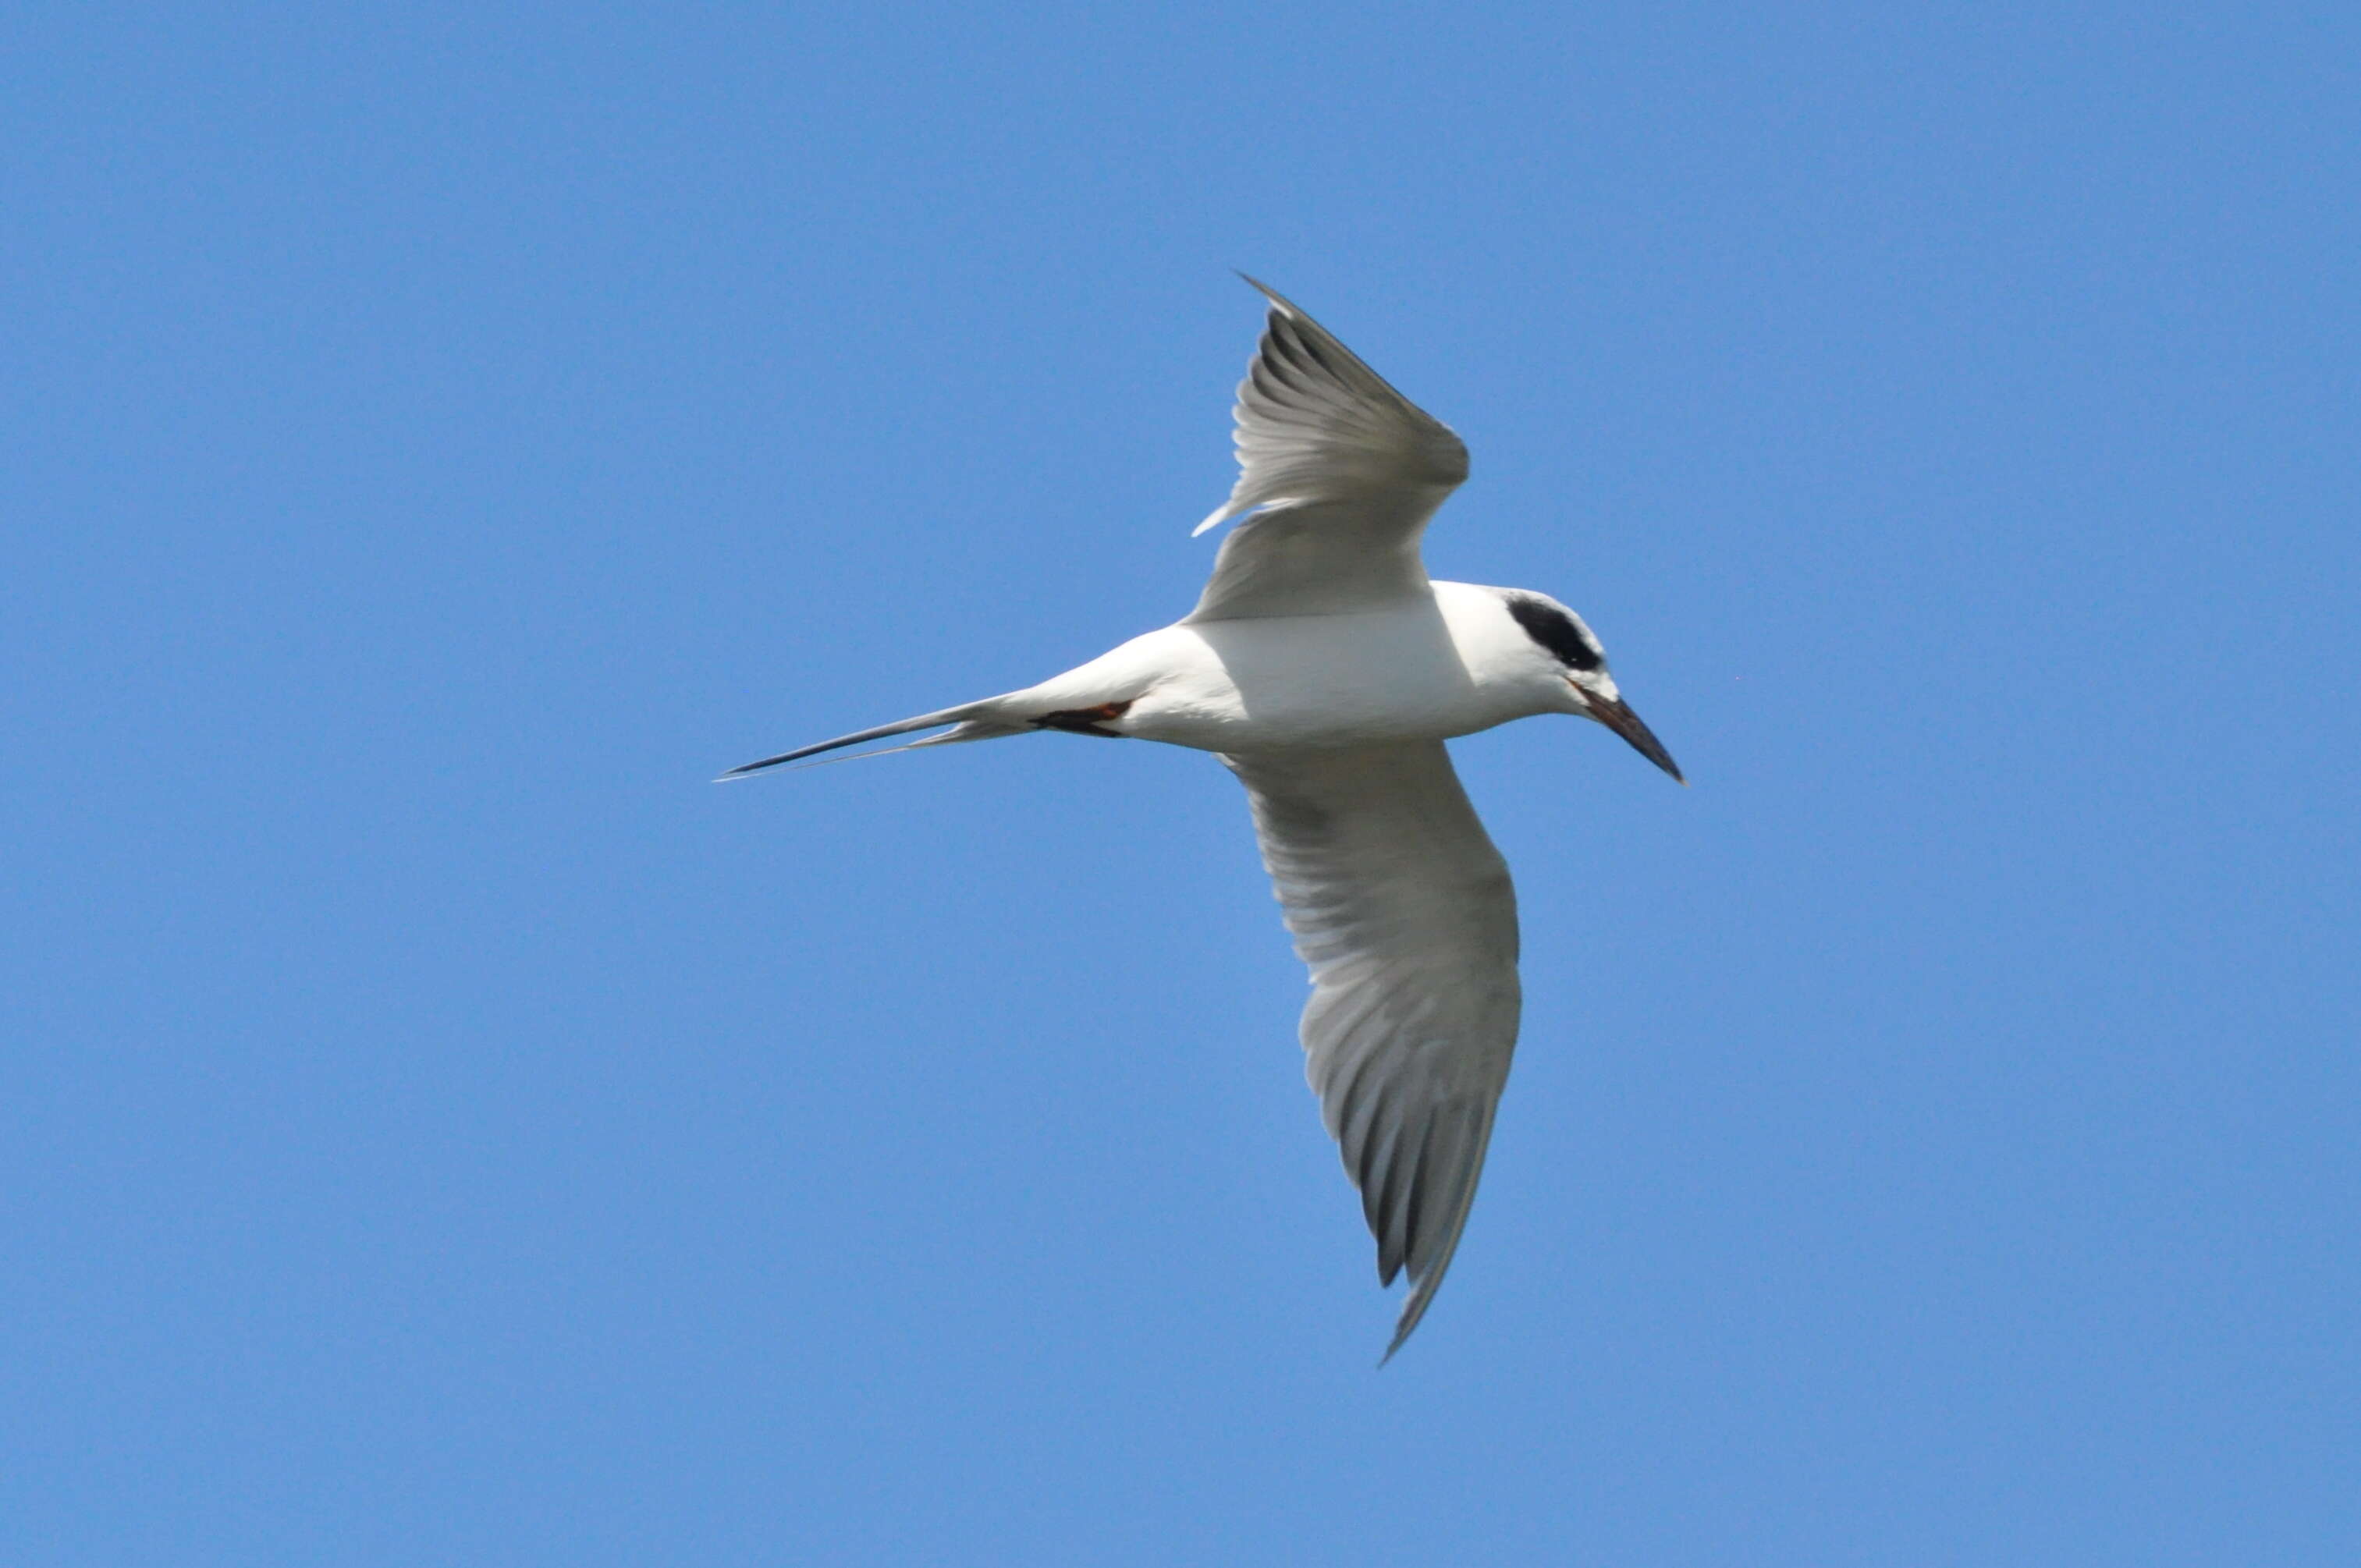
[1407, 1324]
[1279, 302]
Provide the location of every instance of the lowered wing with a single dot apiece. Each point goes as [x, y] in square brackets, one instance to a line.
[1402, 910]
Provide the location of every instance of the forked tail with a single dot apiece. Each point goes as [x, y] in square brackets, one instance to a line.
[967, 719]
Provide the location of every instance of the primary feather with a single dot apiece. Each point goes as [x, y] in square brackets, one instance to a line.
[1340, 472]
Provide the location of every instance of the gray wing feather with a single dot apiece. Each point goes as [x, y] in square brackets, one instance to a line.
[1341, 473]
[1402, 910]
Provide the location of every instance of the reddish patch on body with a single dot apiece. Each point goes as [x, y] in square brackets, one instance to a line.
[1085, 720]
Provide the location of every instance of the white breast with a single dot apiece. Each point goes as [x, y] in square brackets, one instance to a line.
[1418, 672]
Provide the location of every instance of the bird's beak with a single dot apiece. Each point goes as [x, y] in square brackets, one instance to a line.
[1617, 715]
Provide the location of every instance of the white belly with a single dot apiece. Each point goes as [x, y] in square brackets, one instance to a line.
[1329, 680]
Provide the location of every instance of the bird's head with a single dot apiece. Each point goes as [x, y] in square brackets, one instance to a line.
[1566, 657]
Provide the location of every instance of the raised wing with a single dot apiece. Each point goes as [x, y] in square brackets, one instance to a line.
[1340, 472]
[1402, 909]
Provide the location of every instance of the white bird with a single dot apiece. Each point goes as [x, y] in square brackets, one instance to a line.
[1326, 669]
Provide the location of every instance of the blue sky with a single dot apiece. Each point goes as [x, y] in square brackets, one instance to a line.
[439, 1127]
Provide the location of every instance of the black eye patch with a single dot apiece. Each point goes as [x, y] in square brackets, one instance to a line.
[1553, 630]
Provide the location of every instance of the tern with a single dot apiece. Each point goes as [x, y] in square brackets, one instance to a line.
[1326, 670]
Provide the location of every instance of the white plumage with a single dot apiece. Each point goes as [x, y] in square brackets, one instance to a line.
[1327, 669]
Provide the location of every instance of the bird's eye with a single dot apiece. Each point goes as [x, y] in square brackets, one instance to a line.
[1555, 631]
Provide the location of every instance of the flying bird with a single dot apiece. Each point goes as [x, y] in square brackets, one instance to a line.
[1326, 669]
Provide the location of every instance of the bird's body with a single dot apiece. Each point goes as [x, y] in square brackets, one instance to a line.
[1449, 661]
[1326, 670]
